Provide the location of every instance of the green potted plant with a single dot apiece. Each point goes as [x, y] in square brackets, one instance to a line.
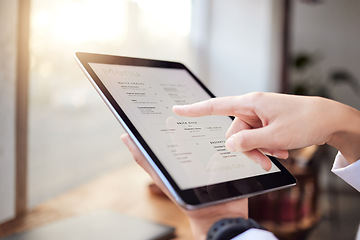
[307, 78]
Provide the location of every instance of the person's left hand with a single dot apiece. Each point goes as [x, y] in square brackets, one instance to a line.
[200, 219]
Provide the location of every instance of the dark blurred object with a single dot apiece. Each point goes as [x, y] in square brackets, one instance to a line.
[292, 213]
[343, 76]
[305, 82]
[302, 61]
[312, 1]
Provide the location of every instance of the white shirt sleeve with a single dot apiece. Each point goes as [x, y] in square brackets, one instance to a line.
[255, 233]
[348, 172]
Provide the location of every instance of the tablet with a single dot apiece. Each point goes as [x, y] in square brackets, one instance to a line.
[188, 154]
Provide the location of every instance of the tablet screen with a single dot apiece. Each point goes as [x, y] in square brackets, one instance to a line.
[188, 154]
[191, 149]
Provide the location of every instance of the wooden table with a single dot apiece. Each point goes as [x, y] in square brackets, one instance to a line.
[124, 190]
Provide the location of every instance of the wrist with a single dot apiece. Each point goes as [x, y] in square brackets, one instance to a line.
[346, 135]
[202, 219]
[201, 227]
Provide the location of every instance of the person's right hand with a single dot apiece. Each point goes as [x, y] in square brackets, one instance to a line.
[270, 123]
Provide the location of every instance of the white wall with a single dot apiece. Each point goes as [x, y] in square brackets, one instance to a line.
[8, 10]
[331, 28]
[243, 39]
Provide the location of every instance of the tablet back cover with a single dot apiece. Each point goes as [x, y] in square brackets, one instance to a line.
[98, 225]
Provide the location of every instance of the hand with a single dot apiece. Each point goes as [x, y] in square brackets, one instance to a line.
[270, 123]
[201, 219]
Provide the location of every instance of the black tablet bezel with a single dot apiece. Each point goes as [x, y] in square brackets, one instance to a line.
[190, 198]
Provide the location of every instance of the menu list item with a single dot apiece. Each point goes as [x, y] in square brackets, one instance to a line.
[191, 149]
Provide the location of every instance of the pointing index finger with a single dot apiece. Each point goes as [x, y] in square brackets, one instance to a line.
[228, 106]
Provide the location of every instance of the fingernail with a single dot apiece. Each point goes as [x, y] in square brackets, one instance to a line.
[276, 154]
[178, 107]
[229, 144]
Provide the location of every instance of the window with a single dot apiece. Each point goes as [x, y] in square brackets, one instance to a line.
[73, 136]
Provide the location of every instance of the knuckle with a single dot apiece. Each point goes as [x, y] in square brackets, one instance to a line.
[257, 95]
[211, 106]
[241, 142]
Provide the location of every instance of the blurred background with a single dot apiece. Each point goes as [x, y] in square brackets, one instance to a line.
[234, 46]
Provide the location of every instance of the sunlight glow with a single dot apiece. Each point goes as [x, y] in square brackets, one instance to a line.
[174, 15]
[90, 21]
[93, 20]
[80, 21]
